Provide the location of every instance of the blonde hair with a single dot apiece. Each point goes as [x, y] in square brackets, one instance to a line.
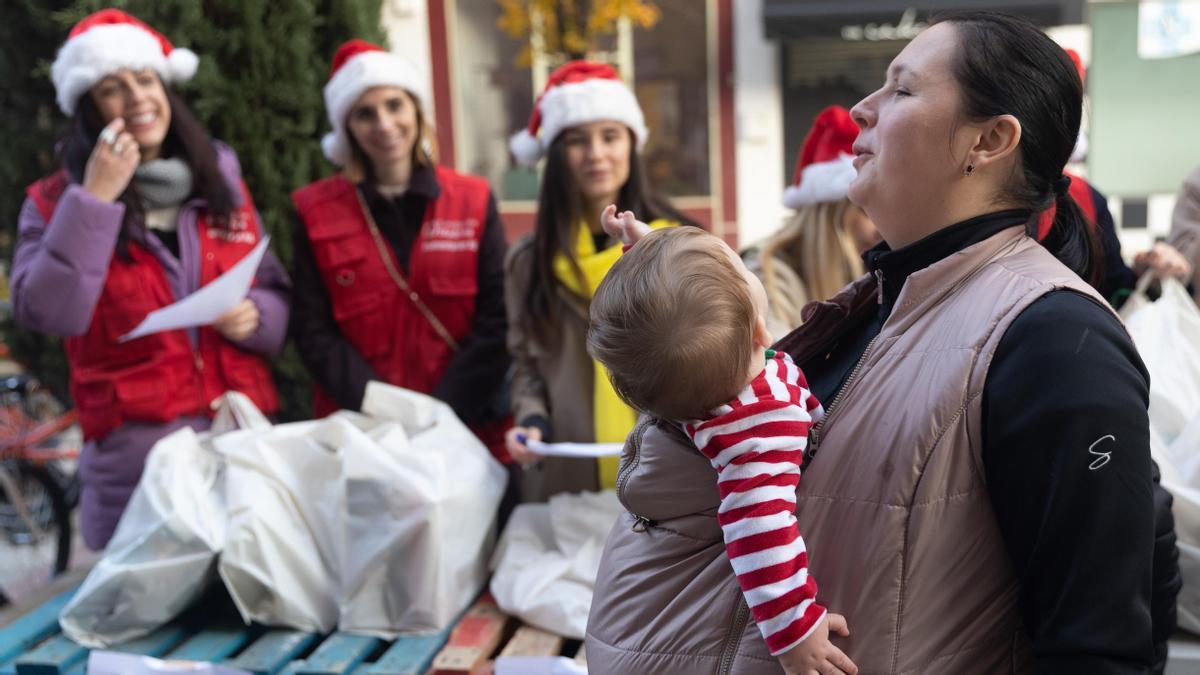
[424, 152]
[816, 246]
[673, 322]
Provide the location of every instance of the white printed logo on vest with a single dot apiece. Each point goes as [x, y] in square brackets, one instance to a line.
[450, 235]
[236, 231]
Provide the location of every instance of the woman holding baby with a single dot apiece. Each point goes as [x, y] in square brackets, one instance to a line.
[977, 497]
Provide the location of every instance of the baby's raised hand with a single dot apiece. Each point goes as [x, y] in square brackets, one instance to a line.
[624, 226]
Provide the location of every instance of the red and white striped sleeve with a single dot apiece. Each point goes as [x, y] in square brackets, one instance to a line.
[756, 443]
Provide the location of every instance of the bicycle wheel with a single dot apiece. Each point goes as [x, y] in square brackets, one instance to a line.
[32, 554]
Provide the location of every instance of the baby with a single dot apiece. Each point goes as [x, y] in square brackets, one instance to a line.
[680, 324]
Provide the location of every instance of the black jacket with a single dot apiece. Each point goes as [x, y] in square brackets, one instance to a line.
[476, 373]
[1067, 462]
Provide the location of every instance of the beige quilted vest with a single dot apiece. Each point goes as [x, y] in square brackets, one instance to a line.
[893, 508]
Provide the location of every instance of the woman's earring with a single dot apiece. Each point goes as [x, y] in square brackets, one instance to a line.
[969, 170]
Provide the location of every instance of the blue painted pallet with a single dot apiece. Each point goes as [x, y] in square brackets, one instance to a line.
[212, 631]
[60, 655]
[339, 653]
[30, 629]
[409, 655]
[273, 651]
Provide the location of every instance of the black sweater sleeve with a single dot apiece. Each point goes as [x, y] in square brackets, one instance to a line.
[1067, 461]
[334, 363]
[1119, 279]
[477, 370]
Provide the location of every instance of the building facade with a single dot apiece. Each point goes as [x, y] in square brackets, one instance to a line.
[729, 90]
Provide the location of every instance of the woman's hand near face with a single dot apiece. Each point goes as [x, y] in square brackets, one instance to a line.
[112, 162]
[240, 322]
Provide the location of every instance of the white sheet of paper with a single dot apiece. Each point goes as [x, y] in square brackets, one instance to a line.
[538, 665]
[576, 449]
[101, 662]
[207, 304]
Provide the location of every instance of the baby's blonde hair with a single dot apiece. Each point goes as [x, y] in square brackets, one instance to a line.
[673, 322]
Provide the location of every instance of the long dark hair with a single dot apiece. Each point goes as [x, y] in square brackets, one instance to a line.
[561, 208]
[185, 139]
[1006, 65]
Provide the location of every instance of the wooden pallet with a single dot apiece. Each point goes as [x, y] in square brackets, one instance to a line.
[212, 631]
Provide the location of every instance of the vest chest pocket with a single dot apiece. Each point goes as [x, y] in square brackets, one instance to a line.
[452, 299]
[341, 261]
[360, 316]
[222, 255]
[130, 293]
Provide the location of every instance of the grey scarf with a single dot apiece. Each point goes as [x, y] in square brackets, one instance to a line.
[163, 183]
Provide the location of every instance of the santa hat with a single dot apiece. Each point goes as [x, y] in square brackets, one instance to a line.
[825, 166]
[108, 41]
[1081, 142]
[577, 93]
[358, 66]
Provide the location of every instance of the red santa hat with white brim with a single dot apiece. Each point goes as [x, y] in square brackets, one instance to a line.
[110, 40]
[577, 93]
[824, 168]
[358, 66]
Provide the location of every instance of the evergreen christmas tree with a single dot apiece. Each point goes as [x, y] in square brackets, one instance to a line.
[258, 88]
[30, 123]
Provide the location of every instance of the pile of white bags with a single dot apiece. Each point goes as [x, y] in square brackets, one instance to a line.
[546, 562]
[1167, 336]
[377, 523]
[161, 555]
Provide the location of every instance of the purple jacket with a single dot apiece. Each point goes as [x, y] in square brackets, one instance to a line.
[57, 276]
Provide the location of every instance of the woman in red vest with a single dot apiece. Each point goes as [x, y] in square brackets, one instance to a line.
[398, 261]
[590, 128]
[145, 209]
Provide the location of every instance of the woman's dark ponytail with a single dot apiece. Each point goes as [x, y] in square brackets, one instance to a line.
[1013, 68]
[1072, 239]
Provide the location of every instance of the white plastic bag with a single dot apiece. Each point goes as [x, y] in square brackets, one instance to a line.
[1167, 336]
[161, 555]
[420, 506]
[547, 559]
[377, 523]
[283, 489]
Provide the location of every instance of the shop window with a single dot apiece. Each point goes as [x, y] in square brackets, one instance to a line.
[668, 65]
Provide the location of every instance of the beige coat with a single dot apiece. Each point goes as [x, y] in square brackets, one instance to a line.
[552, 377]
[1185, 225]
[789, 297]
[893, 508]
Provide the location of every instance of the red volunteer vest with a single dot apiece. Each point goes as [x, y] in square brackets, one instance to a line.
[1081, 192]
[371, 310]
[159, 377]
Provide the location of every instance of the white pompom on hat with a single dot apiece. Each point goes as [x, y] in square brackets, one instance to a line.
[358, 66]
[110, 40]
[825, 166]
[577, 93]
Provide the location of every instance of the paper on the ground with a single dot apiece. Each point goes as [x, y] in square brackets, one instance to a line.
[576, 449]
[207, 304]
[102, 662]
[534, 665]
